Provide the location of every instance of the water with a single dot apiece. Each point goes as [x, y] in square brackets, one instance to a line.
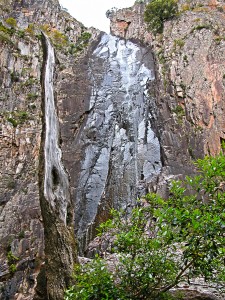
[56, 184]
[122, 153]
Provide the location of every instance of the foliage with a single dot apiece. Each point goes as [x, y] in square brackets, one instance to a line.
[185, 7]
[157, 12]
[200, 27]
[4, 29]
[12, 259]
[82, 42]
[11, 22]
[17, 117]
[59, 38]
[46, 28]
[164, 242]
[93, 281]
[5, 38]
[12, 268]
[179, 111]
[30, 29]
[21, 33]
[32, 96]
[178, 43]
[14, 76]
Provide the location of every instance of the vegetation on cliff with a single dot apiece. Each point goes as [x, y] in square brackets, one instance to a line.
[163, 242]
[157, 12]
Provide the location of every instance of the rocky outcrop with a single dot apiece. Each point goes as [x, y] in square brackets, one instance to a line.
[118, 150]
[130, 111]
[31, 234]
[129, 23]
[189, 56]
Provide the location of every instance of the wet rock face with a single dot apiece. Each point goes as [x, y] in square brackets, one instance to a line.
[190, 94]
[121, 153]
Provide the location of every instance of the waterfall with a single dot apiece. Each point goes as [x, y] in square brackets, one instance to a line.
[122, 153]
[56, 183]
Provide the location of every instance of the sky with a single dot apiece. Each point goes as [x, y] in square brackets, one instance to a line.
[92, 12]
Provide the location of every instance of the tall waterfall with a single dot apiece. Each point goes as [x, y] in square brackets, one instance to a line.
[122, 153]
[56, 184]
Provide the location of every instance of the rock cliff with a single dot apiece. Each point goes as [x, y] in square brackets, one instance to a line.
[33, 228]
[189, 56]
[91, 121]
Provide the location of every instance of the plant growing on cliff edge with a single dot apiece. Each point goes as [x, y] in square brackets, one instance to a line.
[164, 242]
[157, 12]
[11, 22]
[11, 260]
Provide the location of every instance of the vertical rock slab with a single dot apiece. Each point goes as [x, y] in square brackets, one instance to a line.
[22, 238]
[56, 207]
[120, 152]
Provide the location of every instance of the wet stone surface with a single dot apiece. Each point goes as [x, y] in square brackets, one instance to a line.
[121, 151]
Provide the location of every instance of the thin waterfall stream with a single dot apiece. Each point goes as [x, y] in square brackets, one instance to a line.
[56, 183]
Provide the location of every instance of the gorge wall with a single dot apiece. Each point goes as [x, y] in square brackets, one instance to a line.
[91, 121]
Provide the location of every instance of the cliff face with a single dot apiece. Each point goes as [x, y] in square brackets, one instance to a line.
[127, 113]
[190, 78]
[32, 229]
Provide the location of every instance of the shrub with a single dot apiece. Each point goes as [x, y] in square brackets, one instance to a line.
[32, 96]
[21, 33]
[157, 12]
[18, 117]
[30, 29]
[59, 38]
[12, 269]
[93, 281]
[164, 242]
[185, 7]
[178, 42]
[178, 110]
[12, 121]
[82, 42]
[15, 77]
[11, 22]
[11, 259]
[200, 27]
[5, 30]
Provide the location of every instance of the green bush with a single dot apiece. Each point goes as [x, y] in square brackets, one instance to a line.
[157, 12]
[200, 27]
[93, 281]
[82, 42]
[11, 22]
[11, 260]
[17, 118]
[32, 96]
[163, 242]
[178, 43]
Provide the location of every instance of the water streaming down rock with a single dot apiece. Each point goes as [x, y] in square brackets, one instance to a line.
[55, 200]
[56, 184]
[122, 153]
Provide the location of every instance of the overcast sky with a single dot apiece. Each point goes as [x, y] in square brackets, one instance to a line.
[92, 12]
